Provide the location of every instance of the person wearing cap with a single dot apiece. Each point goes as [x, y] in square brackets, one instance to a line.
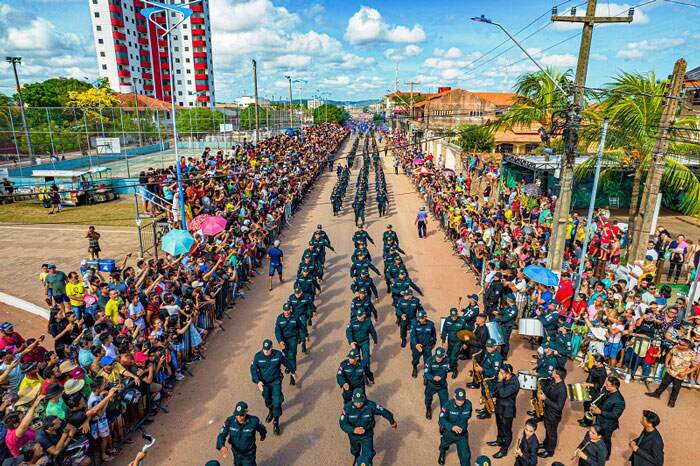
[435, 377]
[401, 284]
[359, 331]
[453, 324]
[276, 258]
[421, 221]
[364, 281]
[360, 263]
[358, 420]
[288, 331]
[382, 202]
[56, 281]
[309, 285]
[266, 372]
[550, 321]
[390, 236]
[302, 308]
[423, 338]
[477, 345]
[352, 374]
[407, 308]
[561, 344]
[361, 235]
[358, 205]
[482, 460]
[505, 391]
[323, 235]
[471, 312]
[320, 243]
[239, 430]
[453, 422]
[505, 318]
[9, 339]
[363, 302]
[526, 449]
[360, 247]
[554, 397]
[489, 367]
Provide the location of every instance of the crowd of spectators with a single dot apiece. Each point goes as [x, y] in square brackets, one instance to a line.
[122, 339]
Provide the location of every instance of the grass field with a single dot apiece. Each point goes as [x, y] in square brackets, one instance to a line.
[119, 213]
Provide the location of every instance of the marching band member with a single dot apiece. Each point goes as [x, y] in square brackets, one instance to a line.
[526, 450]
[554, 397]
[505, 391]
[648, 448]
[592, 451]
[594, 382]
[609, 410]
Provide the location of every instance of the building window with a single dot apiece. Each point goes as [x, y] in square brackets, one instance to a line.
[102, 54]
[104, 67]
[100, 41]
[177, 71]
[189, 81]
[179, 82]
[177, 49]
[187, 49]
[185, 37]
[94, 2]
[187, 60]
[189, 71]
[99, 28]
[97, 14]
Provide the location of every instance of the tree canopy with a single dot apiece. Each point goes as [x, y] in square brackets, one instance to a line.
[474, 138]
[52, 92]
[329, 113]
[247, 117]
[199, 120]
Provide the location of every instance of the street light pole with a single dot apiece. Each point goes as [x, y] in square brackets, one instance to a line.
[255, 92]
[291, 110]
[14, 61]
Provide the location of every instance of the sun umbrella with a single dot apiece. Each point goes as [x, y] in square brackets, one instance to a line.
[176, 242]
[418, 161]
[448, 172]
[213, 225]
[196, 223]
[541, 275]
[421, 171]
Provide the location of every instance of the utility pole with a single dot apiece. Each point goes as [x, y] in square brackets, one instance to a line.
[410, 118]
[643, 219]
[14, 61]
[255, 93]
[291, 110]
[573, 123]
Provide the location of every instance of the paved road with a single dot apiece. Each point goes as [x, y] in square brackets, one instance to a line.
[311, 436]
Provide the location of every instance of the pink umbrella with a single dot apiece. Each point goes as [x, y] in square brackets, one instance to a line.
[196, 223]
[213, 225]
[418, 161]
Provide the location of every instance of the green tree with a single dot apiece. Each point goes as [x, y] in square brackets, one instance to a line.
[247, 117]
[199, 120]
[474, 138]
[378, 118]
[52, 92]
[329, 113]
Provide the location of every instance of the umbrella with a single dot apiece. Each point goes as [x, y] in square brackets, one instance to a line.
[196, 223]
[418, 161]
[421, 171]
[448, 172]
[541, 275]
[176, 242]
[213, 225]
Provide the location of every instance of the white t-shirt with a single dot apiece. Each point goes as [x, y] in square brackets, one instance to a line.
[618, 336]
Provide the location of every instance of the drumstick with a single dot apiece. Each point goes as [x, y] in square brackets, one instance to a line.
[459, 303]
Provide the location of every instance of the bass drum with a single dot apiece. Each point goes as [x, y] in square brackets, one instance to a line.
[530, 328]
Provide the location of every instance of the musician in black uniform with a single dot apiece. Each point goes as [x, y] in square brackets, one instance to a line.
[554, 397]
[648, 448]
[609, 410]
[591, 451]
[594, 383]
[526, 449]
[482, 334]
[506, 392]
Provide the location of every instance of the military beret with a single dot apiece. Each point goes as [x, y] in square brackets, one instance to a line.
[286, 307]
[353, 354]
[422, 314]
[359, 312]
[439, 352]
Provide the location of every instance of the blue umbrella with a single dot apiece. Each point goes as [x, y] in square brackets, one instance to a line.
[176, 242]
[541, 275]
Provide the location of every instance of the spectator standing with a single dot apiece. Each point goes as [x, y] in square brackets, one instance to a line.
[93, 243]
[276, 256]
[422, 222]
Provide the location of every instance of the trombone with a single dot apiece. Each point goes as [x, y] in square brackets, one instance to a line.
[589, 414]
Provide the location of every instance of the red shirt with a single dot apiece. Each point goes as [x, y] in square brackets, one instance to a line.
[564, 293]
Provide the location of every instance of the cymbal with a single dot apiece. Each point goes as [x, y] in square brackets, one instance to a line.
[466, 335]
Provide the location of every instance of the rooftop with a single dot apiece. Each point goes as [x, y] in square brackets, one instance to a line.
[143, 102]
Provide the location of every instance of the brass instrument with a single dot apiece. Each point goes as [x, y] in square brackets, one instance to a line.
[589, 414]
[517, 450]
[476, 375]
[486, 399]
[537, 404]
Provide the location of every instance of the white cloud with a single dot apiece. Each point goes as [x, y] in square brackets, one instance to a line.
[638, 49]
[603, 9]
[245, 16]
[402, 54]
[293, 61]
[367, 25]
[599, 57]
[559, 60]
[315, 12]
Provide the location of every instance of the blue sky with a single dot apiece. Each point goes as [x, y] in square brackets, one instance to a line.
[350, 49]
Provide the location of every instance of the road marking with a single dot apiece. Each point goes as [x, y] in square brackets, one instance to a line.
[24, 305]
[58, 228]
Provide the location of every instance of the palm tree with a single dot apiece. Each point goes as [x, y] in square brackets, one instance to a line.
[633, 106]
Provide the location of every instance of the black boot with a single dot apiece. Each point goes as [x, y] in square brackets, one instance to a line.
[269, 415]
[428, 412]
[403, 343]
[276, 426]
[414, 374]
[441, 457]
[303, 347]
[500, 453]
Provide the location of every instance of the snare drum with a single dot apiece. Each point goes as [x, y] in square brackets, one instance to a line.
[527, 381]
[495, 332]
[530, 328]
[577, 392]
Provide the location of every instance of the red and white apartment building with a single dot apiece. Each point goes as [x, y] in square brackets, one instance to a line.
[131, 53]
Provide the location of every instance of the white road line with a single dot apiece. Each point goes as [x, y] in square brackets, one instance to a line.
[24, 305]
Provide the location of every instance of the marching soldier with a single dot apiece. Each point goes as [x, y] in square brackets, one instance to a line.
[554, 397]
[382, 201]
[321, 243]
[362, 302]
[266, 372]
[288, 331]
[506, 321]
[361, 235]
[362, 263]
[454, 419]
[401, 284]
[360, 247]
[358, 333]
[364, 281]
[505, 391]
[352, 374]
[358, 421]
[489, 368]
[435, 375]
[423, 339]
[453, 324]
[302, 308]
[471, 312]
[239, 429]
[550, 321]
[407, 309]
[390, 234]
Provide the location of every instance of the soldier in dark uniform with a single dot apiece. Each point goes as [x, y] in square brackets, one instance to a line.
[554, 397]
[407, 309]
[454, 419]
[471, 312]
[352, 374]
[358, 333]
[505, 392]
[493, 295]
[362, 263]
[390, 234]
[364, 281]
[357, 420]
[402, 283]
[550, 321]
[453, 324]
[288, 331]
[266, 372]
[506, 321]
[423, 338]
[302, 308]
[435, 377]
[562, 345]
[489, 367]
[362, 301]
[361, 235]
[240, 430]
[382, 201]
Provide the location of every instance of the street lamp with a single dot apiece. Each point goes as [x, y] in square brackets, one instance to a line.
[185, 12]
[484, 19]
[14, 61]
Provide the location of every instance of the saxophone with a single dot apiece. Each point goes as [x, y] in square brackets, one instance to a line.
[537, 404]
[477, 376]
[486, 399]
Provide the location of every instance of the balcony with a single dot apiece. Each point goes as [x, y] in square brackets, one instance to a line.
[147, 75]
[199, 54]
[124, 84]
[143, 41]
[198, 32]
[164, 65]
[200, 66]
[120, 48]
[139, 16]
[202, 98]
[115, 9]
[123, 73]
[118, 35]
[167, 87]
[117, 22]
[201, 77]
[146, 64]
[197, 8]
[148, 87]
[141, 29]
[196, 20]
[202, 87]
[139, 4]
[163, 42]
[199, 43]
[144, 53]
[160, 19]
[122, 61]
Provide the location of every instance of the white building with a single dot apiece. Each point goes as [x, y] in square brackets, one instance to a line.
[135, 58]
[246, 100]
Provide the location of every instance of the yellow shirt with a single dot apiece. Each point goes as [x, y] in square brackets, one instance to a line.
[27, 384]
[42, 276]
[112, 309]
[75, 289]
[115, 376]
